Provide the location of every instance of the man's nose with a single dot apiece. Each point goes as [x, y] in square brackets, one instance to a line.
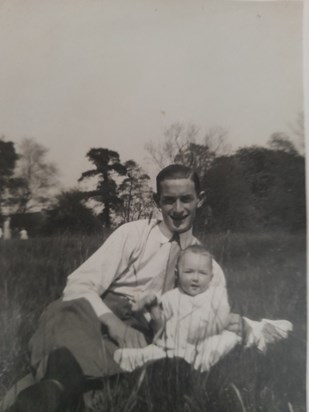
[178, 207]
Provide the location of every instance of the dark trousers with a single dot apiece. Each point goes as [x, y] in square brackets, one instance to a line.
[74, 325]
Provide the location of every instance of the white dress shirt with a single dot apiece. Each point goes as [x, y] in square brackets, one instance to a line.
[132, 261]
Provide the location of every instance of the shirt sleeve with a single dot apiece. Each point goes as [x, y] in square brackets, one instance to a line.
[97, 273]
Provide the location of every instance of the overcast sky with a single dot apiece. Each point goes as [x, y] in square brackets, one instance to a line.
[77, 74]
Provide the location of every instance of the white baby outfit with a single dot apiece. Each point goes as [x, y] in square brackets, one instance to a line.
[194, 331]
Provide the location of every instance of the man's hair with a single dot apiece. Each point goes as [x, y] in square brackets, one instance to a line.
[178, 171]
[197, 249]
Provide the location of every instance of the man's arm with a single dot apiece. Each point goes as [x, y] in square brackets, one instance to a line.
[235, 321]
[151, 304]
[157, 316]
[122, 334]
[97, 273]
[95, 276]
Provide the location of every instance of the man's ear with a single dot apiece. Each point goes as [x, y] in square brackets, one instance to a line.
[202, 198]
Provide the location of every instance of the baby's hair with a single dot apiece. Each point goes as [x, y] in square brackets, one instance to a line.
[197, 249]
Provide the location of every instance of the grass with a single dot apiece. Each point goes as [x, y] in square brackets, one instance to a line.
[266, 277]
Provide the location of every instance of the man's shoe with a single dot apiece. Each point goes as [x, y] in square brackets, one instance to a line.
[45, 396]
[61, 386]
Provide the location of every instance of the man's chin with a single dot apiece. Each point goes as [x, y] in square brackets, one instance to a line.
[181, 229]
[180, 226]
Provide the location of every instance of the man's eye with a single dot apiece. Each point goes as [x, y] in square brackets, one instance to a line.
[168, 200]
[186, 199]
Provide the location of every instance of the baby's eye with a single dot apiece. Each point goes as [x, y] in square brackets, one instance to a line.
[205, 273]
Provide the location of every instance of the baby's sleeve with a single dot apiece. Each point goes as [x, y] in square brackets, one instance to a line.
[220, 308]
[167, 301]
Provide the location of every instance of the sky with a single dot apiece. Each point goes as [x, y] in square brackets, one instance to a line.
[77, 74]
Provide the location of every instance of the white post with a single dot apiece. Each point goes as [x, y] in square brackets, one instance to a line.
[7, 228]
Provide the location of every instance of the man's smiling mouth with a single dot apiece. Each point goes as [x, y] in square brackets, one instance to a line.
[179, 218]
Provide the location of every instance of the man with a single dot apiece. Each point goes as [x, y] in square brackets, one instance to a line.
[137, 258]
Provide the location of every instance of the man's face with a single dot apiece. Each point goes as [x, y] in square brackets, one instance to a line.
[194, 273]
[178, 202]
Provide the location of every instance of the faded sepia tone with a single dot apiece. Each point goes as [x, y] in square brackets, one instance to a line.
[96, 98]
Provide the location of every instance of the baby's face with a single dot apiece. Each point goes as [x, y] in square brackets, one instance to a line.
[194, 273]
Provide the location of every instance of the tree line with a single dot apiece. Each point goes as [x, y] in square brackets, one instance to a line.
[29, 184]
[254, 188]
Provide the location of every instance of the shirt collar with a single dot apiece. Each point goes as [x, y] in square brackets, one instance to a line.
[166, 234]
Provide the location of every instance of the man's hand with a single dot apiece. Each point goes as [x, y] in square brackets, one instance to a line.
[235, 324]
[122, 334]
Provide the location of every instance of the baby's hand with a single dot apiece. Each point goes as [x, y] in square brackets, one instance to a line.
[235, 324]
[150, 301]
[145, 303]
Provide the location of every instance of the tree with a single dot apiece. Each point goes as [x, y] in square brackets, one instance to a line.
[70, 214]
[176, 140]
[228, 196]
[180, 145]
[298, 131]
[257, 189]
[281, 142]
[135, 194]
[37, 177]
[198, 157]
[8, 158]
[107, 165]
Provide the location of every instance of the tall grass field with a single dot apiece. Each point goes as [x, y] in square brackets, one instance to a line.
[266, 278]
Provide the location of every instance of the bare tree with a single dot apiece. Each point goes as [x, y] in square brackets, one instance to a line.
[299, 132]
[175, 142]
[215, 140]
[135, 194]
[182, 145]
[281, 142]
[38, 176]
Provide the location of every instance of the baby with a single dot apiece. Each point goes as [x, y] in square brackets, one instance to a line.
[189, 321]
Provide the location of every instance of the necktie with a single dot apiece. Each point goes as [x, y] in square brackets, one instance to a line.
[169, 281]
